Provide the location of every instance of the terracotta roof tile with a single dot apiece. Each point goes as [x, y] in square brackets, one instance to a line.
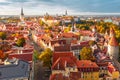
[63, 62]
[113, 41]
[58, 41]
[69, 35]
[84, 64]
[25, 57]
[62, 48]
[56, 55]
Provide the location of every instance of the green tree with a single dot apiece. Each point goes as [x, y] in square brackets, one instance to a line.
[41, 22]
[91, 43]
[20, 42]
[35, 55]
[3, 35]
[46, 56]
[86, 54]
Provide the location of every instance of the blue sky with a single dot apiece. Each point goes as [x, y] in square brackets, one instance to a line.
[38, 7]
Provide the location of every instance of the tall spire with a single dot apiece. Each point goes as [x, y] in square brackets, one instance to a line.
[22, 12]
[66, 13]
[22, 15]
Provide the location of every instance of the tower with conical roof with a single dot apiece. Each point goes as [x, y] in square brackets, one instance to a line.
[22, 15]
[113, 46]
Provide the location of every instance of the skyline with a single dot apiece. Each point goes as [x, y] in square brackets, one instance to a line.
[52, 7]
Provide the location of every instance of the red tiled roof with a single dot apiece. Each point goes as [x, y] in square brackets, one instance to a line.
[112, 30]
[56, 55]
[85, 43]
[63, 62]
[113, 41]
[111, 68]
[69, 35]
[25, 57]
[74, 42]
[62, 48]
[58, 41]
[85, 32]
[86, 64]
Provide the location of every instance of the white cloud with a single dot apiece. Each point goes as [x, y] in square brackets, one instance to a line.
[3, 1]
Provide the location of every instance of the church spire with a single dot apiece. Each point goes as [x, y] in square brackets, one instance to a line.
[66, 13]
[22, 15]
[22, 11]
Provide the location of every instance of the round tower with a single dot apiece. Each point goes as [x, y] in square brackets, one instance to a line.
[94, 29]
[113, 46]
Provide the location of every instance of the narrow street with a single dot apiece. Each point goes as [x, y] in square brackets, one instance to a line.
[38, 69]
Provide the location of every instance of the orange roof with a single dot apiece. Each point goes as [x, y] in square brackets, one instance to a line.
[62, 48]
[86, 64]
[74, 41]
[113, 41]
[58, 41]
[111, 68]
[63, 62]
[56, 55]
[112, 30]
[69, 35]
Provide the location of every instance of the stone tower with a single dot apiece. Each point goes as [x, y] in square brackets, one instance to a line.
[73, 28]
[113, 46]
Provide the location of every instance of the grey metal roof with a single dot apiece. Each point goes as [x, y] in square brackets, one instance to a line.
[13, 71]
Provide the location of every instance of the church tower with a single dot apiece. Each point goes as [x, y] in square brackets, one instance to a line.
[73, 28]
[94, 29]
[113, 46]
[22, 15]
[66, 13]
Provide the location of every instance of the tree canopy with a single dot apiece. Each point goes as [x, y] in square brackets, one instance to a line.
[20, 42]
[46, 56]
[86, 54]
[3, 35]
[35, 55]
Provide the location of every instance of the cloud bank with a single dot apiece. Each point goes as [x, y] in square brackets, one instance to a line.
[38, 7]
